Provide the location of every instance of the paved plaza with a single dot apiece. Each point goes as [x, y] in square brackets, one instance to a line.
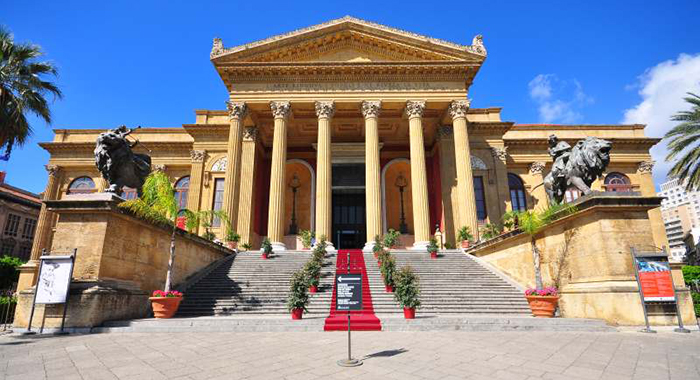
[386, 355]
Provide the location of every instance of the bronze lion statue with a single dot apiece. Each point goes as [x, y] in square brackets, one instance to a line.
[575, 167]
[117, 162]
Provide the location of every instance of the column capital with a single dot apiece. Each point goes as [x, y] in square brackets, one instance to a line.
[280, 109]
[646, 167]
[371, 108]
[53, 170]
[198, 155]
[459, 108]
[415, 108]
[325, 109]
[500, 153]
[250, 134]
[537, 167]
[159, 168]
[236, 109]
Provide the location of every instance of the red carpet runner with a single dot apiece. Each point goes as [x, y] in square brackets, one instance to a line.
[364, 320]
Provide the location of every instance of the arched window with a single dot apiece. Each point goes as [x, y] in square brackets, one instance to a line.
[617, 182]
[517, 192]
[82, 185]
[182, 187]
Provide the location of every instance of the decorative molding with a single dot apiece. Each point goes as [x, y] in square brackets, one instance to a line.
[477, 163]
[415, 108]
[537, 167]
[217, 48]
[325, 109]
[500, 153]
[236, 109]
[250, 134]
[371, 108]
[158, 168]
[459, 108]
[646, 167]
[198, 155]
[281, 109]
[220, 165]
[53, 170]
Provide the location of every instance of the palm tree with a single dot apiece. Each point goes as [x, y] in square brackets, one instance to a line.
[683, 136]
[157, 204]
[22, 89]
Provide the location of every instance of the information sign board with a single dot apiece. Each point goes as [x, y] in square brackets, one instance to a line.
[348, 291]
[54, 279]
[655, 278]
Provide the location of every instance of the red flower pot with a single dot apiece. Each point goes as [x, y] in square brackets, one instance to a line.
[376, 255]
[313, 289]
[165, 307]
[296, 313]
[543, 306]
[232, 245]
[379, 263]
[264, 255]
[465, 243]
[389, 288]
[409, 313]
[433, 255]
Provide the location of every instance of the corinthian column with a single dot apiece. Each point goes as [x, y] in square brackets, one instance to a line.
[419, 181]
[237, 112]
[370, 110]
[465, 182]
[246, 197]
[324, 111]
[275, 220]
[42, 236]
[194, 194]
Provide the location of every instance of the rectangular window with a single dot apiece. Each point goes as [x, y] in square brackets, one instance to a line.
[28, 229]
[7, 247]
[12, 225]
[218, 199]
[480, 198]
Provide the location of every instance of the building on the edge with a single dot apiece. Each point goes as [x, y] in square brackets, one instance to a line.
[360, 128]
[19, 211]
[680, 211]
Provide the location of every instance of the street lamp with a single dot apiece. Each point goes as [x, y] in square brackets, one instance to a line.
[401, 183]
[295, 184]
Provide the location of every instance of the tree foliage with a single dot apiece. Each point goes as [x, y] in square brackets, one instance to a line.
[684, 144]
[8, 271]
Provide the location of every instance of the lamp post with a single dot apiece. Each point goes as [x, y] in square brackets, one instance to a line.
[295, 185]
[401, 183]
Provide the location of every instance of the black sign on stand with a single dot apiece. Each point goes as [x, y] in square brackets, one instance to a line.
[348, 297]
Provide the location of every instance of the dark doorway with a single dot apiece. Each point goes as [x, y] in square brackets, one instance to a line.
[349, 221]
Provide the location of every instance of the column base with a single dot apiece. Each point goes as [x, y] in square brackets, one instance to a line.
[369, 247]
[278, 247]
[420, 246]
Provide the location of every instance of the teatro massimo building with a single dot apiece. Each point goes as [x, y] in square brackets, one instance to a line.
[350, 128]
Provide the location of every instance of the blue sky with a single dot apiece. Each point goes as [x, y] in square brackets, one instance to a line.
[147, 63]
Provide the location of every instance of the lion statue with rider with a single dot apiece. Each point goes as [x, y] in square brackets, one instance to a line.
[575, 167]
[117, 162]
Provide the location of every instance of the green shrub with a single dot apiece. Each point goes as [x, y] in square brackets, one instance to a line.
[388, 270]
[266, 246]
[407, 292]
[4, 300]
[8, 271]
[432, 246]
[691, 274]
[696, 302]
[298, 287]
[391, 238]
[465, 234]
[312, 270]
[377, 244]
[306, 237]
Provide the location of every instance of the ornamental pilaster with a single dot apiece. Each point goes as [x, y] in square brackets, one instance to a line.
[237, 112]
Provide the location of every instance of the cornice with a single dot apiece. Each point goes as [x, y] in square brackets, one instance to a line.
[644, 141]
[56, 147]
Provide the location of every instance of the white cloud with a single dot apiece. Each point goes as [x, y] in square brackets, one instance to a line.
[662, 89]
[551, 94]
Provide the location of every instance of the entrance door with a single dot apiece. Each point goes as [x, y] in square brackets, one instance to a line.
[348, 227]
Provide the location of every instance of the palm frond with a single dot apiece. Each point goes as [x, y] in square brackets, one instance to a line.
[684, 144]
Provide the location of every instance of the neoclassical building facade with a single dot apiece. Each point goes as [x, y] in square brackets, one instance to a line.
[348, 129]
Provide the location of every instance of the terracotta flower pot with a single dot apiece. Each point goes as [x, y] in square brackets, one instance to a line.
[433, 255]
[232, 245]
[313, 289]
[465, 243]
[389, 288]
[376, 255]
[264, 255]
[297, 313]
[165, 307]
[409, 312]
[543, 306]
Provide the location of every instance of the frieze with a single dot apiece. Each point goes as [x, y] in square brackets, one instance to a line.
[278, 87]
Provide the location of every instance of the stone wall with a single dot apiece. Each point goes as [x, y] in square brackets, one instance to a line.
[120, 260]
[587, 256]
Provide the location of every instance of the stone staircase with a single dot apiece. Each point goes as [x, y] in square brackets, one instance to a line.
[453, 284]
[250, 285]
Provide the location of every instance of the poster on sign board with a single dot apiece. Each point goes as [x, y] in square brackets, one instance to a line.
[655, 279]
[54, 279]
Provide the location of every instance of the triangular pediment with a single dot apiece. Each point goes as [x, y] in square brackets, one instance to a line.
[348, 40]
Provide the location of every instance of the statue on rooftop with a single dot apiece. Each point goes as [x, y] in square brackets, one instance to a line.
[575, 167]
[117, 162]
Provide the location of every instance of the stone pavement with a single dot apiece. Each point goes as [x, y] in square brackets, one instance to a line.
[386, 355]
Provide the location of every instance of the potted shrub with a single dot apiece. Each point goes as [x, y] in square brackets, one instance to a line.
[542, 302]
[312, 269]
[165, 304]
[320, 249]
[232, 239]
[266, 248]
[433, 248]
[465, 236]
[298, 297]
[246, 246]
[377, 246]
[381, 256]
[391, 238]
[407, 292]
[388, 268]
[307, 238]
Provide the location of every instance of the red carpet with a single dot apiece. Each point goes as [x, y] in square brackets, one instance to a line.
[363, 320]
